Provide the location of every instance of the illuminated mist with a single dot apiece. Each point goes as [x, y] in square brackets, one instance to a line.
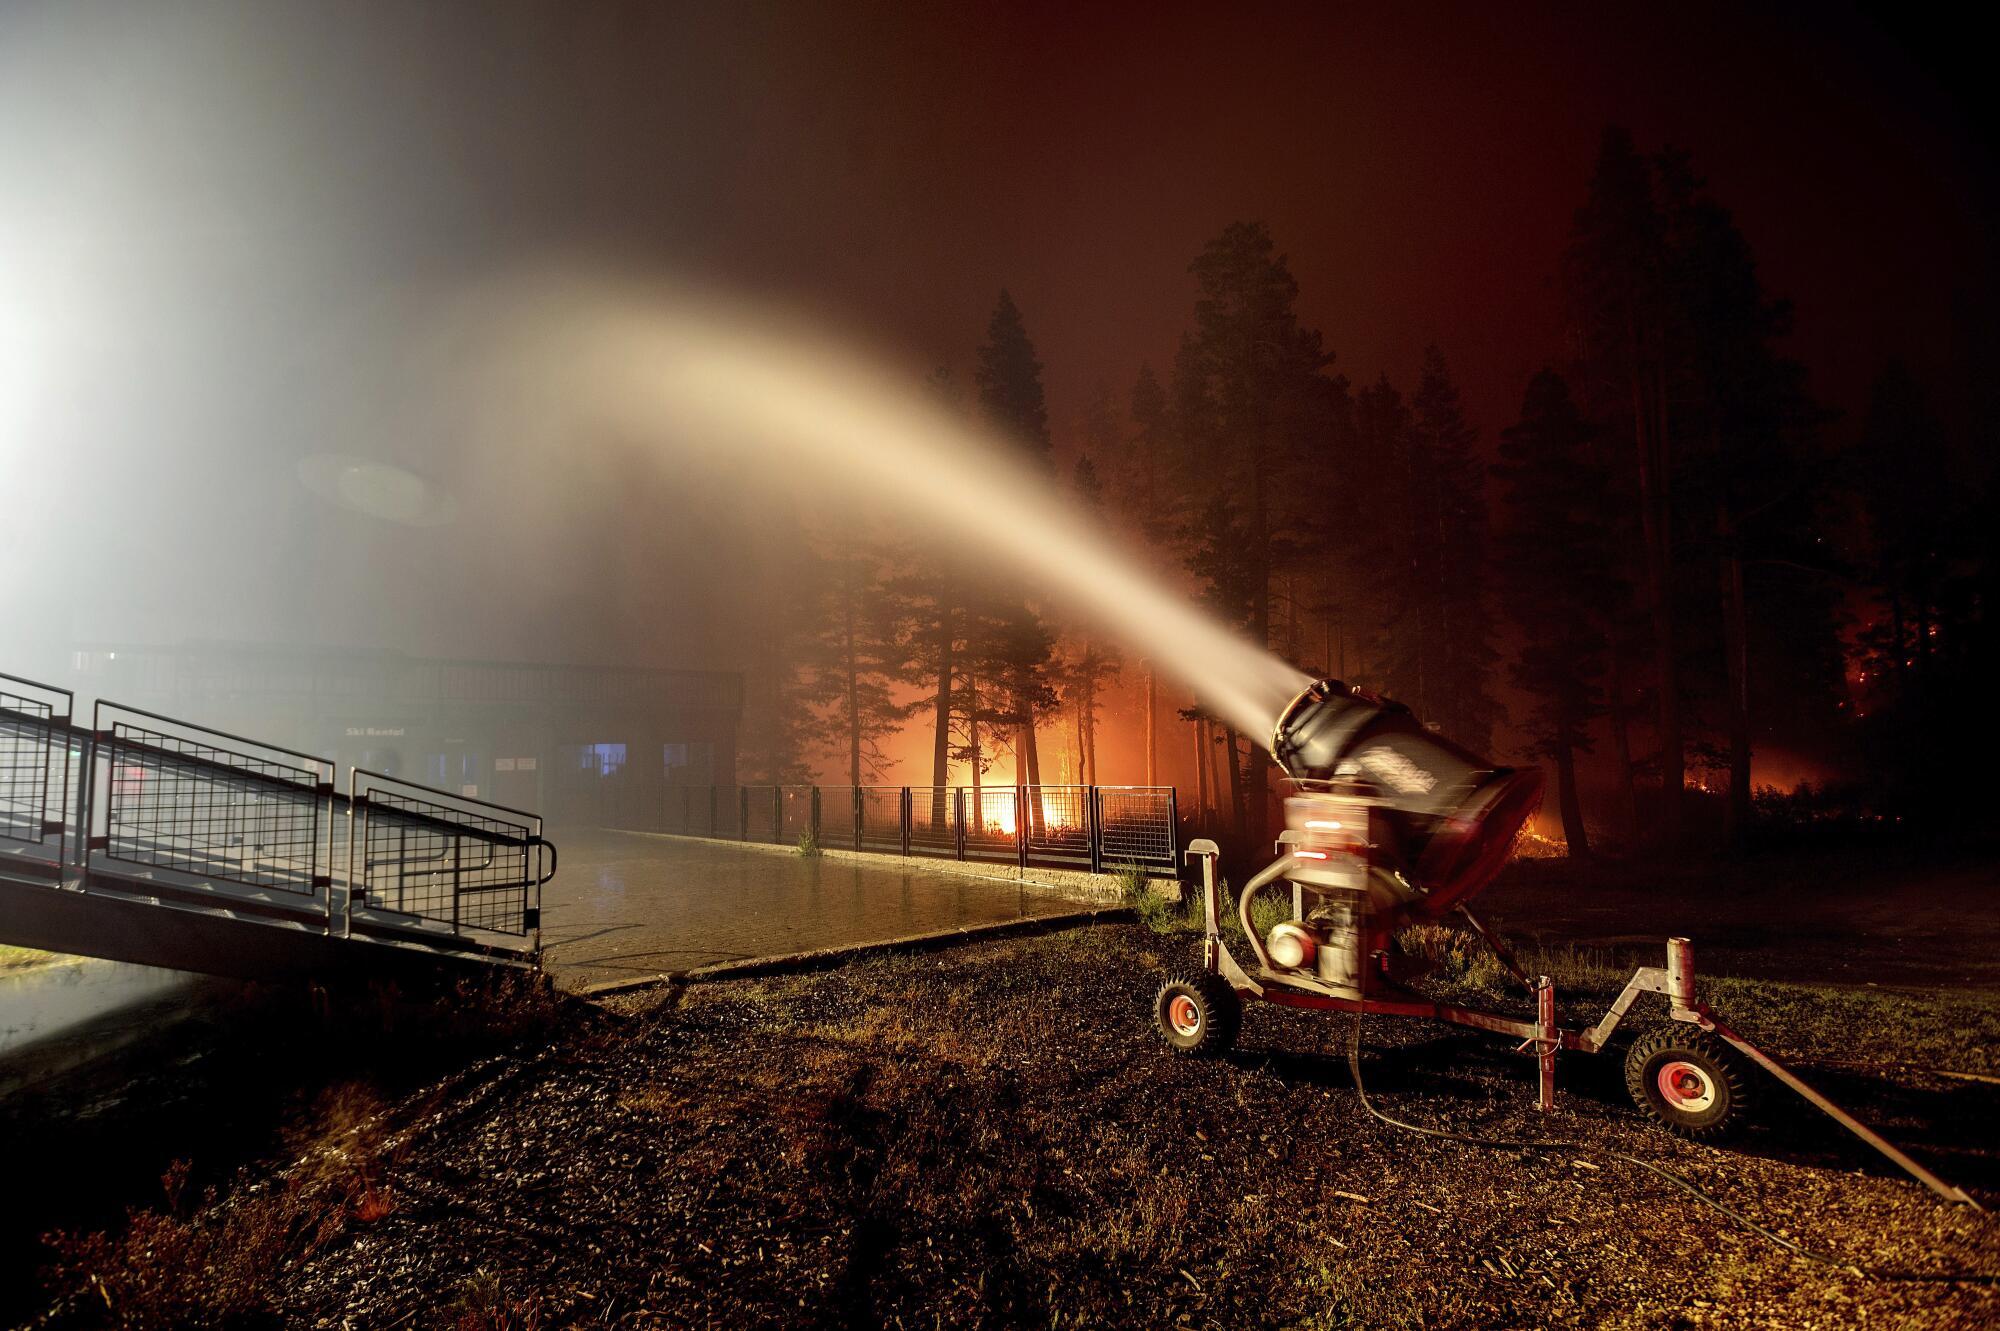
[690, 377]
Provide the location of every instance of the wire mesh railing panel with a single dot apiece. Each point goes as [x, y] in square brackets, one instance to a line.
[795, 813]
[181, 798]
[881, 811]
[1107, 827]
[990, 823]
[423, 853]
[1135, 825]
[34, 759]
[1058, 824]
[760, 812]
[836, 817]
[933, 821]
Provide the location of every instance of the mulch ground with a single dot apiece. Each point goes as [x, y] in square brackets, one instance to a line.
[993, 1136]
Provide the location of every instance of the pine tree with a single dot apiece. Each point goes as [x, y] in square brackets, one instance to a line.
[1250, 396]
[1019, 648]
[1750, 474]
[1615, 281]
[1089, 665]
[1906, 483]
[1009, 378]
[930, 616]
[1555, 581]
[854, 658]
[1449, 504]
[1150, 469]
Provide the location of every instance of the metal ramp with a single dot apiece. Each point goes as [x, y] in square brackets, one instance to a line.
[147, 839]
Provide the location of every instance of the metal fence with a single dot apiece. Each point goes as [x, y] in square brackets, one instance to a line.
[1104, 828]
[211, 805]
[160, 810]
[443, 858]
[35, 771]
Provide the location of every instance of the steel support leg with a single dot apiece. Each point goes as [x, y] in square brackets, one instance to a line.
[1547, 1040]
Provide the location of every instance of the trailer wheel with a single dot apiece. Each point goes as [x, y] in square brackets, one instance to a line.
[1690, 1081]
[1198, 1014]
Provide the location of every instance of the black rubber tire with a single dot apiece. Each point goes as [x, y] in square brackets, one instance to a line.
[1717, 1078]
[1216, 1010]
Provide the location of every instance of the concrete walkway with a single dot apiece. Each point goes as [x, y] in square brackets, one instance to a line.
[627, 905]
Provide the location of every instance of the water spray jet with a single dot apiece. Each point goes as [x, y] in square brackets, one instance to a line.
[689, 376]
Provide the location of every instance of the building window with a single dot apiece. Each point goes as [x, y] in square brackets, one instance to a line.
[601, 759]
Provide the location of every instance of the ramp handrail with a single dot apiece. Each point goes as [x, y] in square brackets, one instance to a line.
[497, 892]
[182, 816]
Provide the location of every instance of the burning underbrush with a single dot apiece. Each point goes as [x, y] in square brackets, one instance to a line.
[994, 1136]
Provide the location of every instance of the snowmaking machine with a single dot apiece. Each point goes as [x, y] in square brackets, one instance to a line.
[1389, 825]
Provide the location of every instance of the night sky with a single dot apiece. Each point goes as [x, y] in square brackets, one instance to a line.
[894, 169]
[209, 204]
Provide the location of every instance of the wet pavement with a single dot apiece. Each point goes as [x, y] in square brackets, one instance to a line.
[625, 905]
[41, 1002]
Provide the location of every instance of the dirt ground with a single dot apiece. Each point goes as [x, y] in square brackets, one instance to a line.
[993, 1136]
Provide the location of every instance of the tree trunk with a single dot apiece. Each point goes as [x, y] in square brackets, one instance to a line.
[1735, 641]
[1238, 796]
[1082, 761]
[1200, 729]
[1152, 736]
[1673, 752]
[1621, 733]
[1033, 760]
[1897, 660]
[853, 673]
[1090, 728]
[1673, 764]
[972, 731]
[1574, 832]
[1260, 624]
[941, 746]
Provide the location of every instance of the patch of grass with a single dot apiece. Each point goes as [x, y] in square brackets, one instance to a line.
[1940, 1030]
[1168, 915]
[809, 844]
[1161, 913]
[24, 958]
[207, 1261]
[1943, 1030]
[485, 1305]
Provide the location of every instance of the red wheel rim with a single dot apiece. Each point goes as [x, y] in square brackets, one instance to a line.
[1184, 1016]
[1684, 1086]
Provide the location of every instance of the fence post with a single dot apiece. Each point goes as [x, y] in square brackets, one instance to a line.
[1021, 826]
[777, 815]
[1174, 828]
[958, 817]
[1095, 823]
[815, 815]
[743, 813]
[855, 793]
[905, 821]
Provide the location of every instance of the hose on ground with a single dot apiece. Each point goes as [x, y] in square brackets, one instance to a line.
[1706, 1199]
